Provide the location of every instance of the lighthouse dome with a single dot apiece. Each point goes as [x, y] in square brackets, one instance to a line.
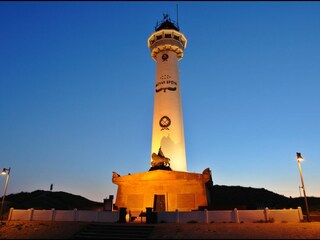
[166, 23]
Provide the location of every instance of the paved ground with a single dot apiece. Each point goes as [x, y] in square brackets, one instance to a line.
[65, 230]
[238, 231]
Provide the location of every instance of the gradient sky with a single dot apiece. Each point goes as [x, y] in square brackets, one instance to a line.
[77, 84]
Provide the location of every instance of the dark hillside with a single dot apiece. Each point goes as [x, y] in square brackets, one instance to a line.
[230, 197]
[40, 199]
[221, 198]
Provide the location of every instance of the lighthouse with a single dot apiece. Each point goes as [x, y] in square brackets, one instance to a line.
[166, 186]
[167, 46]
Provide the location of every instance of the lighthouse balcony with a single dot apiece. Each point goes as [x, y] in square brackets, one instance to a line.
[167, 35]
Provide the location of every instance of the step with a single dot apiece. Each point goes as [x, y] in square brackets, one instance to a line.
[114, 231]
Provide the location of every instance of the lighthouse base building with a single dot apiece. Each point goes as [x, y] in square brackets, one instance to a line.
[167, 186]
[162, 190]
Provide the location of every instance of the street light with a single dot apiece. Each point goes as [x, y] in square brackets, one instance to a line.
[299, 159]
[5, 171]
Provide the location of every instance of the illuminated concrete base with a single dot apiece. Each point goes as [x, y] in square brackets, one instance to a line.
[162, 190]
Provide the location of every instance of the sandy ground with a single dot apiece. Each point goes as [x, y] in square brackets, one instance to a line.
[65, 230]
[39, 229]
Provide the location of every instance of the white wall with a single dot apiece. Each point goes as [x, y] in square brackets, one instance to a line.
[63, 215]
[235, 216]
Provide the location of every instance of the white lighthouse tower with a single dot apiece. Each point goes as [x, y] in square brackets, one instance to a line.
[167, 186]
[166, 46]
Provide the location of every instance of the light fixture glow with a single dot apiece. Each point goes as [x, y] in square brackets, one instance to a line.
[299, 157]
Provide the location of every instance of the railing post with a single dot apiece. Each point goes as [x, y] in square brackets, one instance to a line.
[236, 216]
[266, 214]
[177, 216]
[206, 215]
[31, 214]
[10, 214]
[53, 214]
[300, 214]
[75, 215]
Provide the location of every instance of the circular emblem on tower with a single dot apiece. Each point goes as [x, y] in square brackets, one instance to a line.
[164, 123]
[165, 57]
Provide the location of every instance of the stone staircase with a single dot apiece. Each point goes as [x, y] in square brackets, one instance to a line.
[115, 231]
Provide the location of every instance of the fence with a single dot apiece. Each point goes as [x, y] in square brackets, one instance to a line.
[223, 216]
[63, 215]
[233, 216]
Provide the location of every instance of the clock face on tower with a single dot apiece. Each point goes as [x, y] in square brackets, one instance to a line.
[165, 57]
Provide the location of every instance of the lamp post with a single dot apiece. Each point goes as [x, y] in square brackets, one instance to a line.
[299, 159]
[5, 171]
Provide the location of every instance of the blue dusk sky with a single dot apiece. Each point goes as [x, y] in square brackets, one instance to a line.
[77, 88]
